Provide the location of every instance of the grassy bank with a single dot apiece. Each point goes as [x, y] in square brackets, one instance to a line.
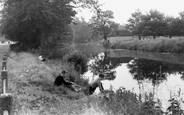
[161, 45]
[31, 83]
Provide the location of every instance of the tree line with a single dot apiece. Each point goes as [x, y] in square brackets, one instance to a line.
[49, 24]
[155, 23]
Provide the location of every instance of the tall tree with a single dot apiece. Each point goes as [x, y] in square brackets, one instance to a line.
[134, 22]
[154, 23]
[37, 22]
[101, 23]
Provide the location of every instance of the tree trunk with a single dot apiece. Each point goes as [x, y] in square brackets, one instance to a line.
[105, 37]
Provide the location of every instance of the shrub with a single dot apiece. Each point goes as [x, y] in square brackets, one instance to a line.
[79, 60]
[122, 102]
[17, 47]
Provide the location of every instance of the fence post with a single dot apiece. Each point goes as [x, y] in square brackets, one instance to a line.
[6, 99]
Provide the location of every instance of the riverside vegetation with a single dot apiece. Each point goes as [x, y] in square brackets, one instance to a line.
[160, 45]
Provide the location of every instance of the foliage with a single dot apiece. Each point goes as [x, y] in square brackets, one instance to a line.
[81, 31]
[174, 108]
[36, 23]
[134, 22]
[150, 107]
[155, 23]
[101, 22]
[122, 102]
[79, 61]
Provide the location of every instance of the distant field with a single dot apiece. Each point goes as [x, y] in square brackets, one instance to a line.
[132, 38]
[120, 39]
[159, 44]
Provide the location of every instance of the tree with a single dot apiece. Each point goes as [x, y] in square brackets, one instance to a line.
[177, 27]
[154, 24]
[40, 22]
[101, 23]
[134, 22]
[81, 31]
[169, 28]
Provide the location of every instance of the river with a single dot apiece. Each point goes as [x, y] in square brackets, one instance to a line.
[139, 72]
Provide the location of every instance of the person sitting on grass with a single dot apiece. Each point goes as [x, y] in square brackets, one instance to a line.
[97, 83]
[61, 81]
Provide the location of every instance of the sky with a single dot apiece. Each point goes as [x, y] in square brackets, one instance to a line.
[122, 9]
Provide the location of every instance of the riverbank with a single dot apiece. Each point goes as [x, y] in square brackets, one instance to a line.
[31, 83]
[160, 45]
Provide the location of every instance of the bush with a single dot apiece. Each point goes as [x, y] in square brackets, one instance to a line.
[58, 53]
[79, 60]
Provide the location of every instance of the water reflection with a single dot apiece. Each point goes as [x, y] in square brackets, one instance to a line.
[155, 71]
[140, 75]
[103, 63]
[140, 69]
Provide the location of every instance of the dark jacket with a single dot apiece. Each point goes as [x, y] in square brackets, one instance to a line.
[60, 80]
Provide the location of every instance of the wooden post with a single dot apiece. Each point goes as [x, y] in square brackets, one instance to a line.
[6, 99]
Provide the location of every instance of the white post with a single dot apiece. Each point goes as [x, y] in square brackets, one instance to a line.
[5, 112]
[4, 86]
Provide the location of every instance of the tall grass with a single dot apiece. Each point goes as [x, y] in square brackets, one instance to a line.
[153, 45]
[31, 82]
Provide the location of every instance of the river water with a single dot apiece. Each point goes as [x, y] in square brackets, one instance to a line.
[139, 72]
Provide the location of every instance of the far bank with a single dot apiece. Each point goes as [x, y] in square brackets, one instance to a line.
[160, 44]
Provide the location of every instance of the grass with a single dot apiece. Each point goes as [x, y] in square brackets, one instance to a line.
[31, 83]
[161, 45]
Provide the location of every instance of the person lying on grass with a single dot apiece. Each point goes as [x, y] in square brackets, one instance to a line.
[61, 81]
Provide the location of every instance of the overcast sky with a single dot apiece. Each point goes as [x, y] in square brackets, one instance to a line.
[123, 8]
